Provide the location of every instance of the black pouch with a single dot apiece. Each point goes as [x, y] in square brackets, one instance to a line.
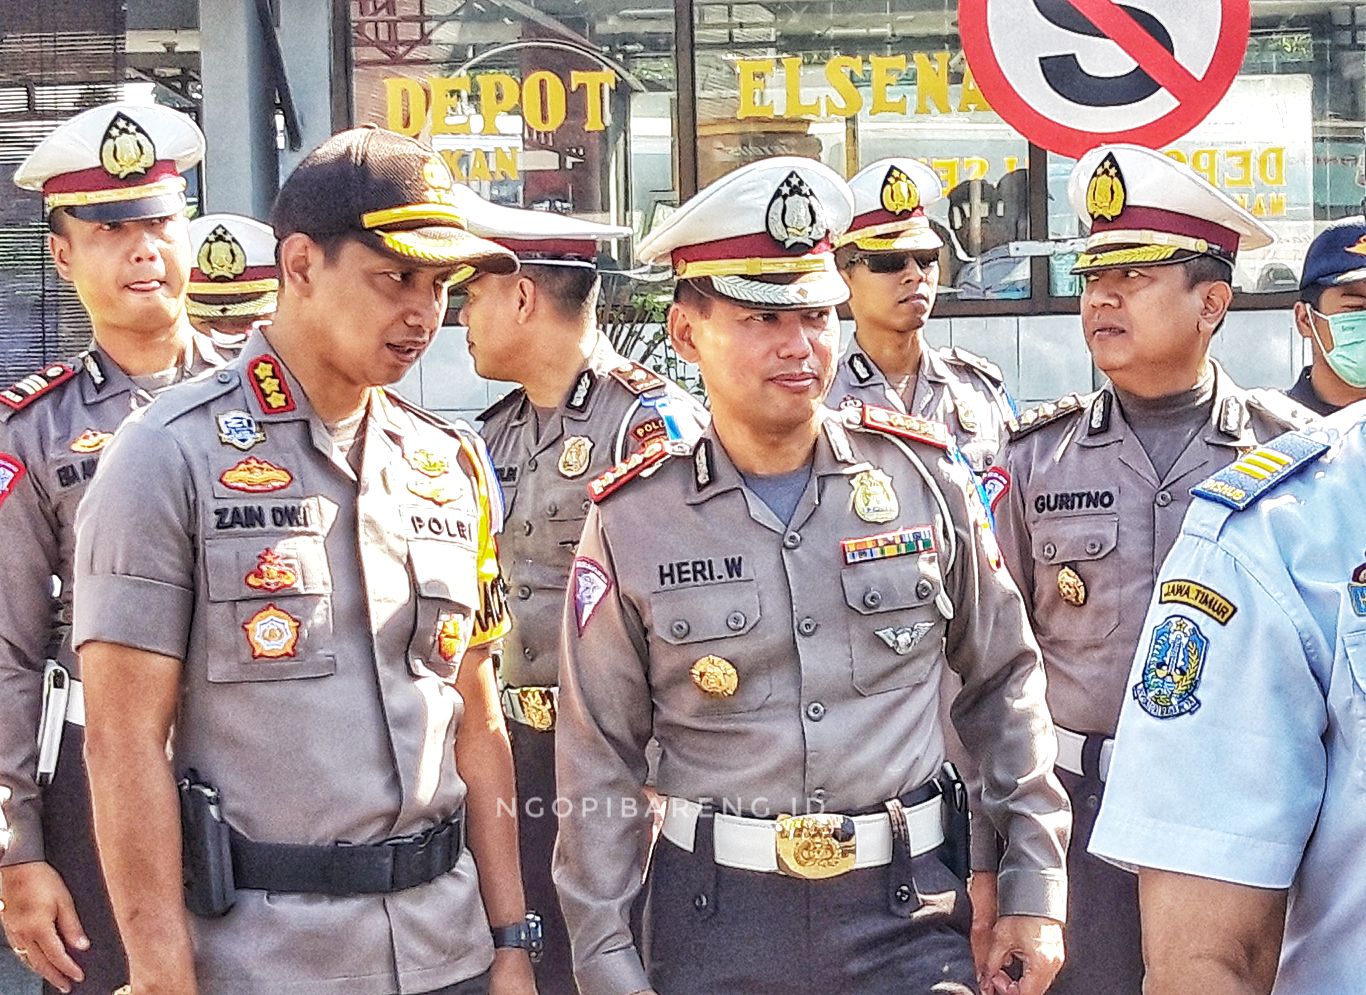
[205, 849]
[956, 852]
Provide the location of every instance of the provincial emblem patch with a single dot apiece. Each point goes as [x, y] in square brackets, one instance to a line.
[1172, 668]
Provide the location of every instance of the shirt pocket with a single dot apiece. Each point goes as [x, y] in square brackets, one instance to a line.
[269, 610]
[896, 632]
[703, 666]
[1078, 579]
[446, 591]
[1354, 648]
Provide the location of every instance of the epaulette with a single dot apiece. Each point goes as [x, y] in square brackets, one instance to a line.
[1286, 410]
[455, 428]
[636, 378]
[190, 395]
[23, 392]
[1044, 414]
[502, 402]
[628, 469]
[1245, 480]
[912, 427]
[983, 366]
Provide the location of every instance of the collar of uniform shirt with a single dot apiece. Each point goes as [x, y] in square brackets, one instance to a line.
[833, 457]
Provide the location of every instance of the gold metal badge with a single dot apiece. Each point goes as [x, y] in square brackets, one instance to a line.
[538, 705]
[1105, 193]
[795, 218]
[222, 257]
[815, 846]
[428, 463]
[715, 676]
[899, 192]
[874, 499]
[126, 150]
[90, 441]
[574, 459]
[1071, 587]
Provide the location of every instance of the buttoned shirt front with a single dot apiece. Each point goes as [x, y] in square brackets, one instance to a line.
[834, 628]
[50, 447]
[613, 409]
[1254, 770]
[1085, 523]
[963, 392]
[321, 613]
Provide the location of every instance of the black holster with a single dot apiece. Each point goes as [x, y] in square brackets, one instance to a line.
[956, 853]
[205, 850]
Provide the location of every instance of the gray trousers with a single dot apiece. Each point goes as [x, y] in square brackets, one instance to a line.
[710, 930]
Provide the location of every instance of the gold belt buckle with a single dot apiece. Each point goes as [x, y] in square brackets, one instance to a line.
[538, 705]
[815, 846]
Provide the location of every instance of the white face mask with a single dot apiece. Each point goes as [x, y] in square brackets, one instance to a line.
[1347, 358]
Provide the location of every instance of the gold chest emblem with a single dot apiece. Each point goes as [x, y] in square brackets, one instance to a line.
[1071, 587]
[574, 458]
[874, 499]
[715, 676]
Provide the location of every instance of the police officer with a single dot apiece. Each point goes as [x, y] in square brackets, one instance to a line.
[1238, 767]
[1089, 492]
[234, 280]
[581, 408]
[1331, 314]
[889, 258]
[804, 832]
[296, 570]
[112, 185]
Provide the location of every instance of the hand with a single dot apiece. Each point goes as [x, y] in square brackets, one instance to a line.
[982, 892]
[512, 973]
[1035, 941]
[40, 922]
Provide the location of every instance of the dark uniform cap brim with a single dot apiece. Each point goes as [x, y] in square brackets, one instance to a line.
[160, 206]
[1352, 276]
[442, 245]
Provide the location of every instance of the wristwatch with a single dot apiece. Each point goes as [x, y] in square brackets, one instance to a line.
[525, 935]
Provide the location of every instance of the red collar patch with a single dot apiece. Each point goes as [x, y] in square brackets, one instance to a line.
[270, 386]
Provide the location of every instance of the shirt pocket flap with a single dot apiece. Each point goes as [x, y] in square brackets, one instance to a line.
[443, 570]
[1081, 537]
[889, 585]
[239, 569]
[714, 611]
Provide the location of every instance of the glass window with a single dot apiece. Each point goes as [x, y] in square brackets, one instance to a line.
[852, 82]
[1285, 142]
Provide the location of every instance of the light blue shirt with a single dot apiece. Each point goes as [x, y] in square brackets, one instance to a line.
[1246, 760]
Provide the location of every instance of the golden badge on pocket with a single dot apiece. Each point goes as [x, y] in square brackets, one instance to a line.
[1071, 587]
[715, 676]
[272, 633]
[574, 459]
[874, 499]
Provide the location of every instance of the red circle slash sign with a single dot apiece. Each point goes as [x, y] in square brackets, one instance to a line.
[1055, 98]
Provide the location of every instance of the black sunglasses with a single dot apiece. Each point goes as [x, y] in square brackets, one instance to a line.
[895, 262]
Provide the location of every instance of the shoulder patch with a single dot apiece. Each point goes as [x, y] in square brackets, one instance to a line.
[1044, 414]
[912, 427]
[456, 428]
[1241, 483]
[983, 366]
[628, 469]
[637, 379]
[1281, 408]
[25, 391]
[506, 400]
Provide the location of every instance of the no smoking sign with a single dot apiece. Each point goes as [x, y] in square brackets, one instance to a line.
[1073, 74]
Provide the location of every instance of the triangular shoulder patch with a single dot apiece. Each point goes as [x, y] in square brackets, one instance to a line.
[1243, 481]
[633, 466]
[913, 427]
[1044, 414]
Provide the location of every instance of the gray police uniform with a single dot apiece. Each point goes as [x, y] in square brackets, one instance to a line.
[772, 688]
[1084, 523]
[614, 408]
[1246, 760]
[964, 392]
[321, 613]
[54, 425]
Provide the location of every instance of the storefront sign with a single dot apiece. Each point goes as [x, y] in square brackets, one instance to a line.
[1073, 74]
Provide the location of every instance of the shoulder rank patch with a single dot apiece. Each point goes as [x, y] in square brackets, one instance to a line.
[636, 378]
[629, 468]
[22, 393]
[1241, 483]
[1044, 414]
[911, 427]
[269, 384]
[983, 366]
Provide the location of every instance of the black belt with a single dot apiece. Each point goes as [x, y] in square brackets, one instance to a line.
[349, 868]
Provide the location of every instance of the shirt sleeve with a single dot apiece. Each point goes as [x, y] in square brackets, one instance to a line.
[1001, 714]
[135, 547]
[32, 545]
[604, 724]
[493, 620]
[1219, 761]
